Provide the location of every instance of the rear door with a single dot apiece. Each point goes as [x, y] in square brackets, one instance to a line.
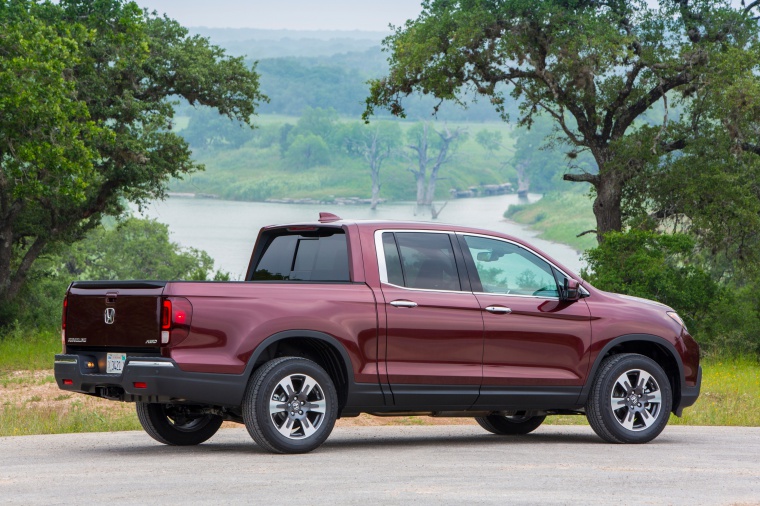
[434, 331]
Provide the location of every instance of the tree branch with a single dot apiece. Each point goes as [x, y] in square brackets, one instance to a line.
[751, 6]
[582, 178]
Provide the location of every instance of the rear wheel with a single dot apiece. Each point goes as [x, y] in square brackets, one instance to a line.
[630, 400]
[290, 405]
[510, 425]
[177, 424]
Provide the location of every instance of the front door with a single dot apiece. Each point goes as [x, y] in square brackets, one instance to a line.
[533, 339]
[434, 329]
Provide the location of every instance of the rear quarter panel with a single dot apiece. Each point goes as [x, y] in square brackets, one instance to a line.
[231, 319]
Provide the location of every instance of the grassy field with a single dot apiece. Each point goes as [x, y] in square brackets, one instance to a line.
[560, 217]
[31, 403]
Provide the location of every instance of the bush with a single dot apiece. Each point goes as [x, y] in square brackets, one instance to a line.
[654, 266]
[133, 249]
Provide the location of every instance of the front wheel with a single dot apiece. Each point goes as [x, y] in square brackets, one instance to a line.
[510, 425]
[177, 424]
[290, 405]
[630, 400]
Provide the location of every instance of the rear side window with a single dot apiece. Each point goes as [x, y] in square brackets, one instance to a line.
[421, 260]
[320, 256]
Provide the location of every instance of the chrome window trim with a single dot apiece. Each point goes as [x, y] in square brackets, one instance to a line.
[383, 269]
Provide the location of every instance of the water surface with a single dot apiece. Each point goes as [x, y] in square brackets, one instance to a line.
[227, 229]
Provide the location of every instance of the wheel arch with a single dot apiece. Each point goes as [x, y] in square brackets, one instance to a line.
[654, 347]
[319, 347]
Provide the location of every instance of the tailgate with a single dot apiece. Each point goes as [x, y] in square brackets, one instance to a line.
[122, 314]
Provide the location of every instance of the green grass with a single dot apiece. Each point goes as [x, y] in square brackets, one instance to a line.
[730, 396]
[560, 217]
[28, 349]
[31, 419]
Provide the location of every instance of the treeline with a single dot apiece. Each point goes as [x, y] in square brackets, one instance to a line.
[321, 154]
[336, 81]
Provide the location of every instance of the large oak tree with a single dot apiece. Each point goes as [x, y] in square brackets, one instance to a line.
[86, 116]
[596, 67]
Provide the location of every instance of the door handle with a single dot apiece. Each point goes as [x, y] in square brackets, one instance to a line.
[498, 310]
[403, 303]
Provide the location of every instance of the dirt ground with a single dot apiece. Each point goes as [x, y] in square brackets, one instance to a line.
[38, 390]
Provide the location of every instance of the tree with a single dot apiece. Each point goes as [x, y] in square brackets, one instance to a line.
[445, 142]
[594, 66]
[375, 144]
[208, 129]
[489, 139]
[87, 116]
[307, 150]
[135, 248]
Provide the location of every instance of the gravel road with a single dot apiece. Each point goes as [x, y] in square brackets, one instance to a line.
[388, 465]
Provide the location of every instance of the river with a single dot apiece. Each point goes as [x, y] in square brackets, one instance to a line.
[227, 229]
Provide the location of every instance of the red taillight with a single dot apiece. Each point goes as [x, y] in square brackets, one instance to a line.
[68, 382]
[63, 323]
[63, 316]
[140, 384]
[166, 315]
[176, 315]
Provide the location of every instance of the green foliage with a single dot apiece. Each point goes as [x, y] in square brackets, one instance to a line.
[307, 150]
[86, 113]
[133, 249]
[654, 266]
[260, 168]
[489, 139]
[207, 129]
[596, 68]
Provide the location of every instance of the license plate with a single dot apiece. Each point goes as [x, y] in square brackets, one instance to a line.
[115, 363]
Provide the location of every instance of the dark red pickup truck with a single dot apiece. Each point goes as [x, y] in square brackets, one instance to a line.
[339, 317]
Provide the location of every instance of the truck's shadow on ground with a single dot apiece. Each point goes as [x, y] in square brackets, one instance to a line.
[342, 443]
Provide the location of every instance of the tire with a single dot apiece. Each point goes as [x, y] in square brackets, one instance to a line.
[290, 405]
[510, 425]
[630, 400]
[177, 424]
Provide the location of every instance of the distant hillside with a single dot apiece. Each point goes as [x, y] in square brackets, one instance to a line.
[256, 44]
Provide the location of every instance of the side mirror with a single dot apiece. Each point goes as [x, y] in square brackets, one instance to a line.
[484, 256]
[571, 290]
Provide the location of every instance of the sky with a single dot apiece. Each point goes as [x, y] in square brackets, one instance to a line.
[364, 15]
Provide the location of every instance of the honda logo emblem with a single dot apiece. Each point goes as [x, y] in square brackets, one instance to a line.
[109, 315]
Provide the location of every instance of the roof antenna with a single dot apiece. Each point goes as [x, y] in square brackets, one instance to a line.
[328, 217]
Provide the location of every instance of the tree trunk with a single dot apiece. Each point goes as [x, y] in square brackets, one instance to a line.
[420, 188]
[607, 206]
[375, 173]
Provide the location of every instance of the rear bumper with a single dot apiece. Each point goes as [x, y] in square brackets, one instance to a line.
[151, 379]
[689, 395]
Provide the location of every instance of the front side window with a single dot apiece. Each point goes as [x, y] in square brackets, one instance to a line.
[507, 268]
[421, 260]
